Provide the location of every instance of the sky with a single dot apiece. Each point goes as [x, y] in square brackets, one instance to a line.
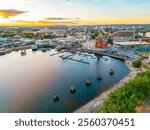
[73, 12]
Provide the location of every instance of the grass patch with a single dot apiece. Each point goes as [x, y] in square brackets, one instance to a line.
[126, 98]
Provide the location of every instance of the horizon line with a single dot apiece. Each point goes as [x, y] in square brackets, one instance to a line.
[74, 25]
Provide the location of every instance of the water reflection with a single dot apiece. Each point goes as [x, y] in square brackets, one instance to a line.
[28, 83]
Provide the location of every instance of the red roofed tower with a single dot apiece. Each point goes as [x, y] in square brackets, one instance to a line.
[100, 43]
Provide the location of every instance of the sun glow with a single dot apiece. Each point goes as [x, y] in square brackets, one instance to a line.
[73, 12]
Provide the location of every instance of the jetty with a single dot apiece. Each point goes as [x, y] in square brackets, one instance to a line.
[70, 57]
[6, 51]
[57, 53]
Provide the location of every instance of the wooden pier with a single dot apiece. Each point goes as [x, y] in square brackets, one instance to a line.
[81, 61]
[69, 57]
[57, 53]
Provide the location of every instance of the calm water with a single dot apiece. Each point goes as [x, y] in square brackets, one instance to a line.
[28, 83]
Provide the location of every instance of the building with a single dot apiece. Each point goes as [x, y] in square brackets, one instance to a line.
[136, 46]
[42, 42]
[143, 40]
[3, 40]
[110, 40]
[16, 38]
[27, 40]
[131, 43]
[122, 36]
[100, 43]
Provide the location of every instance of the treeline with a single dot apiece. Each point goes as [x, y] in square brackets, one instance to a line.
[132, 94]
[138, 64]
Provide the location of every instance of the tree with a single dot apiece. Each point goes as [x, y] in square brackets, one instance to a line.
[94, 36]
[136, 63]
[125, 99]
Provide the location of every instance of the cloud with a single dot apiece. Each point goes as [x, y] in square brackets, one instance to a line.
[7, 13]
[44, 22]
[58, 18]
[54, 18]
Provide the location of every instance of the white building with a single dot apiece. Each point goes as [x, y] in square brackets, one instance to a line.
[3, 40]
[42, 42]
[45, 42]
[26, 40]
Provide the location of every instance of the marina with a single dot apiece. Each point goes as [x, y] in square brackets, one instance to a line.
[42, 81]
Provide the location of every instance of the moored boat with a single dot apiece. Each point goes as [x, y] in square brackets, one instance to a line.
[34, 48]
[44, 50]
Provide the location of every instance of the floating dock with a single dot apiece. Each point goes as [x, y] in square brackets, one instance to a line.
[57, 53]
[77, 60]
[71, 57]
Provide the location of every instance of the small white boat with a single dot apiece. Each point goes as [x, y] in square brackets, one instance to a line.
[34, 48]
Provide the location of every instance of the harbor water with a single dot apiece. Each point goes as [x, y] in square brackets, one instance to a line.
[28, 83]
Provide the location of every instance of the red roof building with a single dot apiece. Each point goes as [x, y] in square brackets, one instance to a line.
[100, 43]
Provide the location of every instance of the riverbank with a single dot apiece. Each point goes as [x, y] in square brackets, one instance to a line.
[96, 104]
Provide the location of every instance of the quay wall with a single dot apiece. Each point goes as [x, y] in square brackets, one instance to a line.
[6, 51]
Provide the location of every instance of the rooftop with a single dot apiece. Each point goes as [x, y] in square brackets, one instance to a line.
[123, 33]
[131, 43]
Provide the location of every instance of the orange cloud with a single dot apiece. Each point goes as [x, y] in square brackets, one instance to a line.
[6, 13]
[39, 23]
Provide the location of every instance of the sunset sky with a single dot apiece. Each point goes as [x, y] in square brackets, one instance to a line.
[73, 12]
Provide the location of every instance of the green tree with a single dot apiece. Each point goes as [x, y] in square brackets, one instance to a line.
[129, 96]
[94, 36]
[137, 63]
